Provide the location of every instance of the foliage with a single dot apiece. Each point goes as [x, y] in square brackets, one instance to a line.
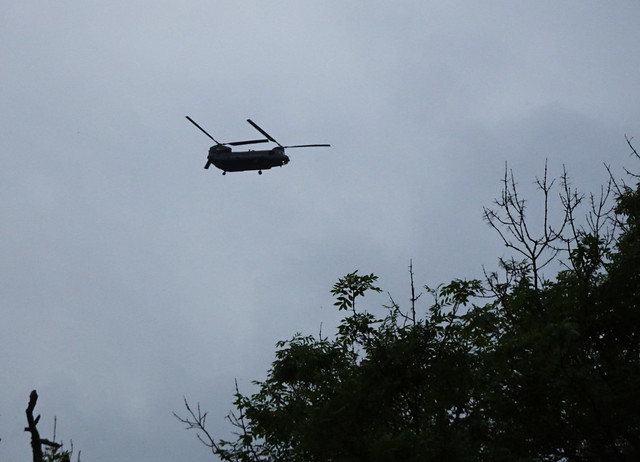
[57, 455]
[351, 286]
[515, 367]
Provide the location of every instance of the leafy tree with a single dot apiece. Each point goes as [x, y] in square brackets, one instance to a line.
[517, 366]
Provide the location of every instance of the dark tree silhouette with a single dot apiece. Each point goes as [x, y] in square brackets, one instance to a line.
[518, 366]
[36, 441]
[53, 451]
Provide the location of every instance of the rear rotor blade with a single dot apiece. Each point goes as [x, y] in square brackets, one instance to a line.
[307, 146]
[263, 132]
[202, 129]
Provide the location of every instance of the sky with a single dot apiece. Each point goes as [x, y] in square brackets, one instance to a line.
[131, 277]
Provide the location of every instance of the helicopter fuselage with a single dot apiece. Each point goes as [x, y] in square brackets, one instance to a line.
[237, 161]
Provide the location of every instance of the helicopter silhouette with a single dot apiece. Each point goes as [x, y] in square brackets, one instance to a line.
[222, 156]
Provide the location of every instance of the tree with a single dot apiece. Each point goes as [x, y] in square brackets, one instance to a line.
[518, 366]
[53, 451]
[567, 359]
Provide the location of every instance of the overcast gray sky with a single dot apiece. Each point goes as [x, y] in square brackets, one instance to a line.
[130, 276]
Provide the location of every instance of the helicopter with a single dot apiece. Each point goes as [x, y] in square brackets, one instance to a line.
[223, 157]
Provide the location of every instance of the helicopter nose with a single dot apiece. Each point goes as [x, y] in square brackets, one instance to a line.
[286, 160]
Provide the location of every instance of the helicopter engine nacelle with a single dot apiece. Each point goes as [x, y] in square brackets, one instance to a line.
[219, 148]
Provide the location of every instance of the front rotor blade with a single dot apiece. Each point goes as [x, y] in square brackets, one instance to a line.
[263, 132]
[203, 130]
[238, 143]
[308, 146]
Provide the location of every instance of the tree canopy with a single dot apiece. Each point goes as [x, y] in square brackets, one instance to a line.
[516, 366]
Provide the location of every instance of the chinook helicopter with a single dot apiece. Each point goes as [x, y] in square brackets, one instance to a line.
[223, 157]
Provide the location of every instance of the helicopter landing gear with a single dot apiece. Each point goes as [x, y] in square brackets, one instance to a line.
[224, 173]
[259, 172]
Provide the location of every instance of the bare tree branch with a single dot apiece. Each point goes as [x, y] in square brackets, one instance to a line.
[36, 441]
[414, 297]
[635, 153]
[197, 422]
[509, 221]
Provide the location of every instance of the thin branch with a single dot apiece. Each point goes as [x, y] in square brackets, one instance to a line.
[633, 152]
[395, 310]
[198, 422]
[509, 221]
[414, 297]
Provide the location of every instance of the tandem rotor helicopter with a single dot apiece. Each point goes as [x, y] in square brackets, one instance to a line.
[223, 157]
